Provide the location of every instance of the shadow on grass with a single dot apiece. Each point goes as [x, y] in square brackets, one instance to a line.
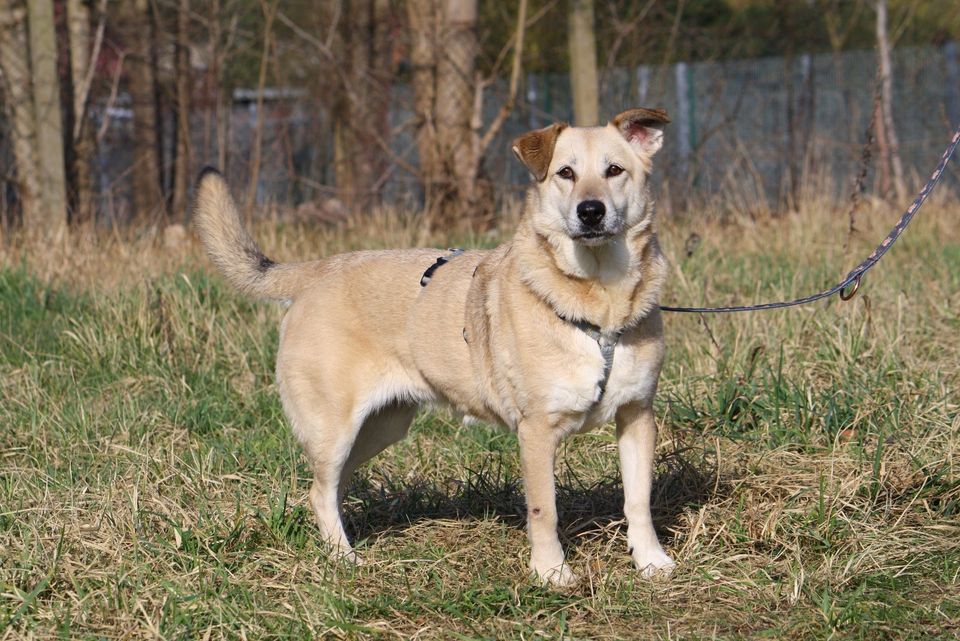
[685, 480]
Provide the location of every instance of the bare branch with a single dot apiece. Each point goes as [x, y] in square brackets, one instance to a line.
[507, 107]
[91, 70]
[269, 12]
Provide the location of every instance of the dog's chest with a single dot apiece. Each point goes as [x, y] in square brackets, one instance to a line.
[579, 386]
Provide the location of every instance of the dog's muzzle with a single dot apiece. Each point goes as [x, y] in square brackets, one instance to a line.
[591, 213]
[593, 223]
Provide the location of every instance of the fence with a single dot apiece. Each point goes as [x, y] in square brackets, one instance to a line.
[767, 123]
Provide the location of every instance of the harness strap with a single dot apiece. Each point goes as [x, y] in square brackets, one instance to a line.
[452, 253]
[608, 345]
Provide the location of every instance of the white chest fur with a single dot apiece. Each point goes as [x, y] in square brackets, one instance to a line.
[576, 388]
[632, 379]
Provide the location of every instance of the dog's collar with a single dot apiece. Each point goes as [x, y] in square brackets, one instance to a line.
[452, 253]
[607, 342]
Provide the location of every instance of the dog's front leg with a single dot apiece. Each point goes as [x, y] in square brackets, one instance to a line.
[637, 439]
[538, 449]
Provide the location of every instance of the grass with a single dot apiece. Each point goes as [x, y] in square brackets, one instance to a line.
[807, 477]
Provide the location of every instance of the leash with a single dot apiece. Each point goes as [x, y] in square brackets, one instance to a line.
[848, 287]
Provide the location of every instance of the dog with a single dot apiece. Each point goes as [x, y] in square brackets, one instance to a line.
[556, 332]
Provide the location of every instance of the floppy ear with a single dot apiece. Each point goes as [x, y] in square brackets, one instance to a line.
[642, 128]
[535, 149]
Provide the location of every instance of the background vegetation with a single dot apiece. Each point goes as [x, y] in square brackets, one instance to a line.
[111, 107]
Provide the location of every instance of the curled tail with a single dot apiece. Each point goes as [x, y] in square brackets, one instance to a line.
[233, 250]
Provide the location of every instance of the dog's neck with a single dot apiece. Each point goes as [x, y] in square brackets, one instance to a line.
[613, 285]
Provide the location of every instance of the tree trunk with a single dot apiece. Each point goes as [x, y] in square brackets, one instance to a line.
[789, 196]
[46, 103]
[883, 150]
[455, 96]
[891, 147]
[583, 64]
[422, 16]
[81, 137]
[269, 13]
[443, 51]
[362, 112]
[182, 173]
[216, 78]
[15, 65]
[148, 200]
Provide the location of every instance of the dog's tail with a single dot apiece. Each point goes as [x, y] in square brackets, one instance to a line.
[231, 248]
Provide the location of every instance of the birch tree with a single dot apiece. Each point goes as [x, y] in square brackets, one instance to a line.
[887, 142]
[51, 210]
[18, 103]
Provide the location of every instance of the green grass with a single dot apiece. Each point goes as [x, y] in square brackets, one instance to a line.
[807, 479]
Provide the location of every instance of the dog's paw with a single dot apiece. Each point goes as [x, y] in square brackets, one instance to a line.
[344, 554]
[653, 562]
[352, 558]
[560, 576]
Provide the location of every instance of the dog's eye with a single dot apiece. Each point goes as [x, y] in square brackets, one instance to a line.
[566, 173]
[614, 170]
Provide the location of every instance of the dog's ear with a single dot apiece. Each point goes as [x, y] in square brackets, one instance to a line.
[535, 149]
[642, 128]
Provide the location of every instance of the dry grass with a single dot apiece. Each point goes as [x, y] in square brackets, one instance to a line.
[808, 478]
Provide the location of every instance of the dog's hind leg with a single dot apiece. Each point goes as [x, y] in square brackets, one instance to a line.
[339, 434]
[326, 421]
[327, 442]
[380, 430]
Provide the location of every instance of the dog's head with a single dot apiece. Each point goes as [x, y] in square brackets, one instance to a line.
[592, 181]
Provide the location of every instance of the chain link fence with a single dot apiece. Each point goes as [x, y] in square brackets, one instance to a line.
[760, 129]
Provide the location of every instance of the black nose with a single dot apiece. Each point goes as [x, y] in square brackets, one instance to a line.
[590, 212]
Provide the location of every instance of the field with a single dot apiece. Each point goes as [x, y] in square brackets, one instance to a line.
[808, 477]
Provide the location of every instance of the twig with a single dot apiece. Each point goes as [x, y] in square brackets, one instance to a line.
[112, 98]
[507, 107]
[866, 155]
[713, 339]
[622, 33]
[269, 11]
[532, 20]
[87, 80]
[351, 96]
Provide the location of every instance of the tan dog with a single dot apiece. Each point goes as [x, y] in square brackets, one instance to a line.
[553, 333]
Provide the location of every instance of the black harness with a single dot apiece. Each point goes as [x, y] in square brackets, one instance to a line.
[452, 253]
